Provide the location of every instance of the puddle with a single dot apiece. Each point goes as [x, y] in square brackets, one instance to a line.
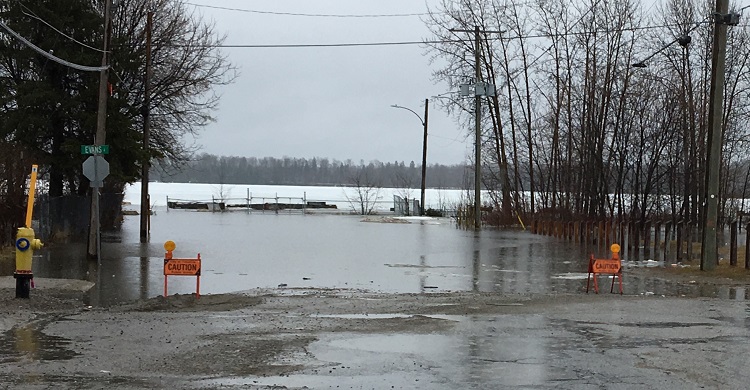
[361, 316]
[30, 343]
[571, 276]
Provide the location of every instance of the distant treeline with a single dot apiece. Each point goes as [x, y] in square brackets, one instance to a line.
[208, 168]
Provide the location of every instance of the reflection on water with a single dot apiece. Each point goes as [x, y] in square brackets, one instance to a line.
[242, 251]
[28, 342]
[480, 352]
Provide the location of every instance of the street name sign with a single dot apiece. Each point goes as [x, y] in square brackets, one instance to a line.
[94, 149]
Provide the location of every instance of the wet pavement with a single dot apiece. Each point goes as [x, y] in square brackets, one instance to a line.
[614, 343]
[342, 339]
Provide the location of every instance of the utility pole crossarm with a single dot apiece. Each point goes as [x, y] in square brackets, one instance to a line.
[481, 31]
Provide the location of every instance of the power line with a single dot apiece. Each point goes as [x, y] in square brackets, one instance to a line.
[50, 56]
[309, 15]
[331, 44]
[430, 42]
[31, 14]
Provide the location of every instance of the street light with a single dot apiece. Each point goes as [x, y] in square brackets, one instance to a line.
[722, 19]
[424, 147]
[683, 40]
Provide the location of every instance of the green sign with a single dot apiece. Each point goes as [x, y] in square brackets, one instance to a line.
[94, 149]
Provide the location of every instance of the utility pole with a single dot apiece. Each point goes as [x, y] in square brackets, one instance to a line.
[101, 131]
[709, 247]
[480, 89]
[478, 137]
[146, 165]
[424, 156]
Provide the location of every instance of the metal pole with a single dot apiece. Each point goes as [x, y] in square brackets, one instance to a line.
[145, 209]
[424, 156]
[98, 220]
[98, 232]
[709, 248]
[32, 193]
[478, 137]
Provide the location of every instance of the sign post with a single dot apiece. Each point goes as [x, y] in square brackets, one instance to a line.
[96, 168]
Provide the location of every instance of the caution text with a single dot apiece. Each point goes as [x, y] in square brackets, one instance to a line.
[182, 267]
[606, 266]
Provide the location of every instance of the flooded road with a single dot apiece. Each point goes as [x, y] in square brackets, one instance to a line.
[242, 251]
[329, 304]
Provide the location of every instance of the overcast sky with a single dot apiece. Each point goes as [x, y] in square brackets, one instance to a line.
[329, 102]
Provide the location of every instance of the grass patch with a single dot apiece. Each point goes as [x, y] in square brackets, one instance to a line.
[722, 271]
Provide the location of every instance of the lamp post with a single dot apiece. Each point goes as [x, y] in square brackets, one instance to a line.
[424, 147]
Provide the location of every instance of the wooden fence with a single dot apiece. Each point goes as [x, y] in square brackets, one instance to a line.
[645, 240]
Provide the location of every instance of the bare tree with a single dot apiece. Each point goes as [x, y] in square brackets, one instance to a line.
[364, 192]
[187, 65]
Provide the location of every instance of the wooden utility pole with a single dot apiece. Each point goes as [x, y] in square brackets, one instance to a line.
[101, 131]
[480, 89]
[146, 164]
[709, 247]
[478, 136]
[424, 155]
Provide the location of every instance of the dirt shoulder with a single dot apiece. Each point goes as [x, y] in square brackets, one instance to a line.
[723, 275]
[49, 297]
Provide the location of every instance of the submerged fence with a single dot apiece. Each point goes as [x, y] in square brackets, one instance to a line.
[646, 240]
[291, 204]
[258, 203]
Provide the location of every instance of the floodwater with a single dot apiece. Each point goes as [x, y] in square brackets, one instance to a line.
[242, 251]
[584, 347]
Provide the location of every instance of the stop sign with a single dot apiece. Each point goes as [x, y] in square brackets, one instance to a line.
[95, 168]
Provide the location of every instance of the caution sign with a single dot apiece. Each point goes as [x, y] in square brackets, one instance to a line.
[606, 266]
[611, 266]
[185, 267]
[181, 267]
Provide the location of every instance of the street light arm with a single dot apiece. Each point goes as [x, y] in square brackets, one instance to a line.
[683, 40]
[642, 63]
[412, 111]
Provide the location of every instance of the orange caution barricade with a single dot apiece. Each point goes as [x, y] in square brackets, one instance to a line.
[183, 267]
[611, 266]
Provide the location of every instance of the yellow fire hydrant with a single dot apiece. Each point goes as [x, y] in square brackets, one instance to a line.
[26, 244]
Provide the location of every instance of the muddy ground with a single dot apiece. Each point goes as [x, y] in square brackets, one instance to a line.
[313, 338]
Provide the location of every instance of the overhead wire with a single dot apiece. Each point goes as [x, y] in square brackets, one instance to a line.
[580, 19]
[425, 42]
[50, 56]
[308, 15]
[31, 14]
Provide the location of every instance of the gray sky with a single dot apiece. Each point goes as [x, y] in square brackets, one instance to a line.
[333, 101]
